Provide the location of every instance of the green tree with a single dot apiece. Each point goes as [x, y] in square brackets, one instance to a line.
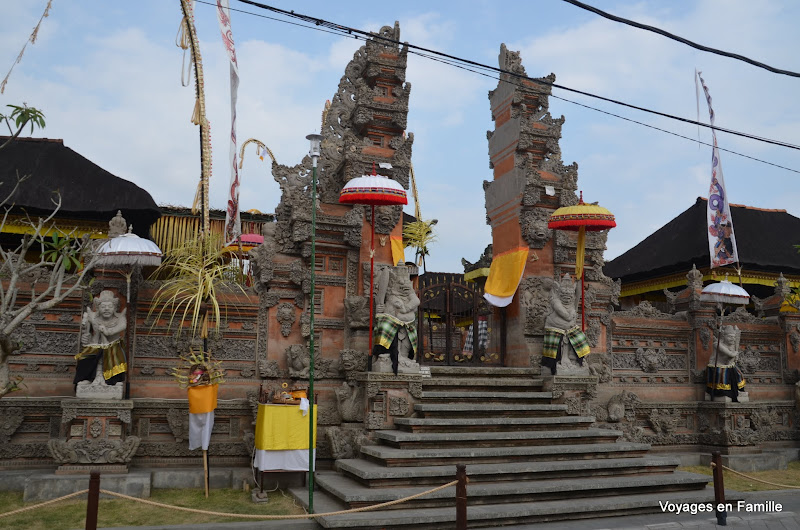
[47, 276]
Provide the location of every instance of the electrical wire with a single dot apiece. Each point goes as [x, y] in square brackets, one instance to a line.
[669, 35]
[349, 31]
[326, 27]
[623, 117]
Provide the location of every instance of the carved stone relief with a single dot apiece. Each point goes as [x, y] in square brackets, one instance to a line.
[94, 451]
[286, 318]
[356, 312]
[10, 420]
[297, 361]
[650, 360]
[534, 226]
[349, 400]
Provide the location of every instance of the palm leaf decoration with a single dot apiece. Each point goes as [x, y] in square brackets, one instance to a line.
[191, 279]
[419, 234]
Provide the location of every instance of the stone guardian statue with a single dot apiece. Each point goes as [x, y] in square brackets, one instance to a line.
[102, 361]
[564, 342]
[724, 380]
[395, 329]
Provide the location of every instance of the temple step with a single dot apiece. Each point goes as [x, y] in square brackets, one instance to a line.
[432, 440]
[488, 383]
[493, 396]
[444, 424]
[374, 474]
[392, 456]
[486, 515]
[451, 410]
[356, 495]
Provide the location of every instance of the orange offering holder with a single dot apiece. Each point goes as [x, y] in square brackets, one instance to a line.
[203, 399]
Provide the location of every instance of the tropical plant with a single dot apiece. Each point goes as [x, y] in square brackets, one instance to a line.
[20, 117]
[191, 277]
[62, 247]
[419, 234]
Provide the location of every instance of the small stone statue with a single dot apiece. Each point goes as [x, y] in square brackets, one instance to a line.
[564, 342]
[395, 322]
[102, 361]
[117, 226]
[724, 380]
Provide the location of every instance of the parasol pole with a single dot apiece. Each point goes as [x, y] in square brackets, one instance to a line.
[371, 282]
[716, 350]
[205, 470]
[580, 254]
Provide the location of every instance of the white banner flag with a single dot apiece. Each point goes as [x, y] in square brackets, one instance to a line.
[721, 240]
[233, 222]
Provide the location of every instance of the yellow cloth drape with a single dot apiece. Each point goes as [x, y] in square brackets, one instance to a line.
[580, 251]
[202, 398]
[398, 250]
[506, 272]
[283, 427]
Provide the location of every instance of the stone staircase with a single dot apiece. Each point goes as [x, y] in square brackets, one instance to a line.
[527, 461]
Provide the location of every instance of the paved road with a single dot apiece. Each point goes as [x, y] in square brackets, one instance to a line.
[783, 517]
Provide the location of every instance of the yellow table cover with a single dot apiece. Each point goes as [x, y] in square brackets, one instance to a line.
[282, 427]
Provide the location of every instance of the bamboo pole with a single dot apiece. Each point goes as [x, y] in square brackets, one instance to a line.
[205, 470]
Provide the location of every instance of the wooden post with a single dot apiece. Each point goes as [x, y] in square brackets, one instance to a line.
[461, 494]
[719, 489]
[205, 470]
[93, 501]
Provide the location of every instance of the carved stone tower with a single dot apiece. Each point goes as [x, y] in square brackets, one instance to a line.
[530, 182]
[364, 124]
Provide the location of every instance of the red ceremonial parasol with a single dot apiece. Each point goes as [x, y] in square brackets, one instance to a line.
[374, 190]
[581, 218]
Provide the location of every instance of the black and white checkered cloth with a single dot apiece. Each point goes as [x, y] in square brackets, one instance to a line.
[483, 336]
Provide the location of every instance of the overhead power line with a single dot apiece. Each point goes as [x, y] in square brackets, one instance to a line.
[352, 32]
[455, 62]
[669, 35]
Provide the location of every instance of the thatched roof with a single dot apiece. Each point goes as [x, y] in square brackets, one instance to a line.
[87, 190]
[765, 240]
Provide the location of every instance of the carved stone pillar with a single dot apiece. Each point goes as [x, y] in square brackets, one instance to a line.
[389, 396]
[577, 392]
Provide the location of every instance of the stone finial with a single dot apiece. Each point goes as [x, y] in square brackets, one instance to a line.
[117, 226]
[782, 287]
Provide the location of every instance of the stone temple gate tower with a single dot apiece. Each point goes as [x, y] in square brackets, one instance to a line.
[530, 182]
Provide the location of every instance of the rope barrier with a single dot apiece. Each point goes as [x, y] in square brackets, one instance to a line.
[279, 517]
[52, 501]
[726, 468]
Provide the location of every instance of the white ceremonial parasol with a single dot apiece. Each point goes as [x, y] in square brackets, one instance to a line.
[722, 293]
[725, 292]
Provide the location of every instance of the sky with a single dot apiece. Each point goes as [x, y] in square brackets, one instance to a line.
[107, 75]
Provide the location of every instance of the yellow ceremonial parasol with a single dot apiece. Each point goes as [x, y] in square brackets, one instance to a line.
[581, 218]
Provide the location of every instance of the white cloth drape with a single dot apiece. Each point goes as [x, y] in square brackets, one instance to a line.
[200, 427]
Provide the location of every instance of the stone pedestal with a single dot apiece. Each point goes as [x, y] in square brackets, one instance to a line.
[388, 396]
[576, 391]
[95, 436]
[98, 389]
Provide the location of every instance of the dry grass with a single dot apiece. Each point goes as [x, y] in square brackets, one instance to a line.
[786, 477]
[72, 513]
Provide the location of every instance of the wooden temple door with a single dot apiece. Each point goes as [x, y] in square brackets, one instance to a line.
[456, 326]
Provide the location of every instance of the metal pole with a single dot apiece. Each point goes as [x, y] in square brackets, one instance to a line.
[311, 348]
[93, 501]
[719, 489]
[461, 497]
[371, 281]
